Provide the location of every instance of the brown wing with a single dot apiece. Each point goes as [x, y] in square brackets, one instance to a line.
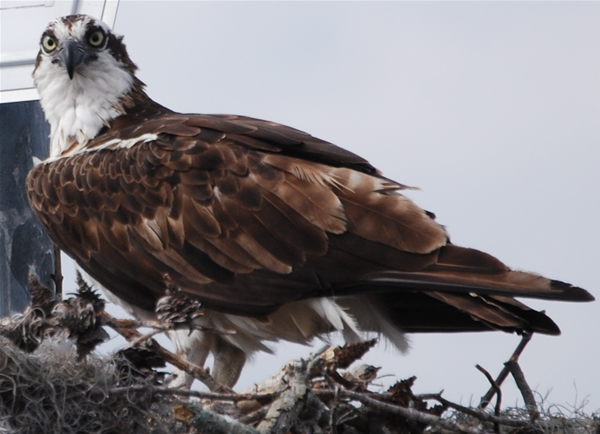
[248, 215]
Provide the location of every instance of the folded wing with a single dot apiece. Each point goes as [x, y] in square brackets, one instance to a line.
[248, 215]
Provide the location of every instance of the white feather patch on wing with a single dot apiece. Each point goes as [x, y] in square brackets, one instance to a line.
[125, 144]
[111, 144]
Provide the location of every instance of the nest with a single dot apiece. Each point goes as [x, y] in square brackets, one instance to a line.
[52, 381]
[53, 390]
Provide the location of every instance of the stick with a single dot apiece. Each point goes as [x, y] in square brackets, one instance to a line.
[196, 371]
[410, 414]
[498, 391]
[255, 416]
[208, 422]
[524, 388]
[284, 412]
[234, 397]
[487, 398]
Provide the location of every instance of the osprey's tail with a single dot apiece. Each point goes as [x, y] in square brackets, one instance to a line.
[462, 290]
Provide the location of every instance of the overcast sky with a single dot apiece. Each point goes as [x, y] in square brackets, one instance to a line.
[492, 109]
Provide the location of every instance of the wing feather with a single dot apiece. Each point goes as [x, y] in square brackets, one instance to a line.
[264, 257]
[319, 205]
[263, 233]
[224, 251]
[200, 219]
[393, 220]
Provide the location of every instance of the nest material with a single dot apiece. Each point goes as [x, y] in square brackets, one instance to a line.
[51, 381]
[52, 391]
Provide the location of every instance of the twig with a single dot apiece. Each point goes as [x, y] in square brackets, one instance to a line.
[284, 412]
[312, 402]
[255, 416]
[196, 371]
[208, 422]
[409, 414]
[333, 419]
[142, 338]
[161, 327]
[478, 414]
[412, 415]
[487, 398]
[496, 387]
[325, 373]
[524, 388]
[350, 414]
[234, 397]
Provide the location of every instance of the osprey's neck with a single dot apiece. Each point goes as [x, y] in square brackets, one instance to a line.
[77, 109]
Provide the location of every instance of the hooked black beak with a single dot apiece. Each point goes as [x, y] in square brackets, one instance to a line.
[72, 56]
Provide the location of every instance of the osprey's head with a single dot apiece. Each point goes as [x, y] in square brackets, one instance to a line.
[84, 77]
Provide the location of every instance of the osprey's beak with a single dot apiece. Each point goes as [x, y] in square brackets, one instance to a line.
[72, 56]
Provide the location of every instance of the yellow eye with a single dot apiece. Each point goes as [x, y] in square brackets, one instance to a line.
[96, 39]
[48, 43]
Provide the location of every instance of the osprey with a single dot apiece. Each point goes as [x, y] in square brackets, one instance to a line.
[277, 234]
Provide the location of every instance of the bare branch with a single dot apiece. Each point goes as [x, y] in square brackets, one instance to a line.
[233, 397]
[408, 414]
[478, 414]
[487, 398]
[208, 422]
[196, 371]
[283, 413]
[255, 416]
[524, 388]
[496, 387]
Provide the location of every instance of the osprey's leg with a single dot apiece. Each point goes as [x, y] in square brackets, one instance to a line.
[229, 362]
[193, 347]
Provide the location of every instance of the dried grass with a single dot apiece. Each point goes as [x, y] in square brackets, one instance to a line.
[51, 391]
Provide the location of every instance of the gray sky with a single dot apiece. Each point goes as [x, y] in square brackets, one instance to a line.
[491, 108]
